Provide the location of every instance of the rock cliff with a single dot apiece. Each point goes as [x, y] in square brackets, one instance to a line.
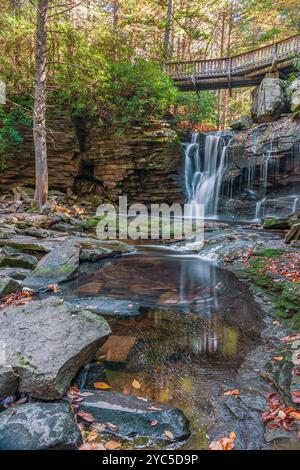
[143, 164]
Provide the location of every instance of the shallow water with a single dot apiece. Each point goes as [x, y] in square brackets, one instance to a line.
[198, 324]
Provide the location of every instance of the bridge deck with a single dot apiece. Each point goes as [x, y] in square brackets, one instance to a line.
[242, 70]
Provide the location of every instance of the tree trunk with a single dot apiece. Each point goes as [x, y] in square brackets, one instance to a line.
[168, 32]
[39, 110]
[116, 14]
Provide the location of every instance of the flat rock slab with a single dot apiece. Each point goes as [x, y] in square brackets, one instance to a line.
[29, 243]
[107, 306]
[38, 426]
[16, 273]
[8, 285]
[133, 416]
[59, 265]
[18, 260]
[47, 342]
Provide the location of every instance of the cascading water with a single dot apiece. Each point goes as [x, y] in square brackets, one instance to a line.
[204, 173]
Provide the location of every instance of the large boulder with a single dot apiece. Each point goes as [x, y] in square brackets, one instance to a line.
[57, 266]
[243, 122]
[8, 285]
[135, 417]
[295, 101]
[268, 101]
[38, 426]
[47, 342]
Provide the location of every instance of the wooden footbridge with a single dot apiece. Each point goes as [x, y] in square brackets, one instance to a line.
[243, 70]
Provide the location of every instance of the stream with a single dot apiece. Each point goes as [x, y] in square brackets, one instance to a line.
[197, 325]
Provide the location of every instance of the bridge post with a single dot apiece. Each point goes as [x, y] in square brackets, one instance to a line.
[274, 57]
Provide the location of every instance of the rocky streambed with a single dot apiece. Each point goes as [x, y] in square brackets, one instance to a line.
[107, 346]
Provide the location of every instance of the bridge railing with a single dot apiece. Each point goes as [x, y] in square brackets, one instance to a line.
[258, 58]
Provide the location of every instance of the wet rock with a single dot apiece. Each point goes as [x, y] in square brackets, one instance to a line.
[268, 100]
[293, 234]
[61, 227]
[295, 101]
[47, 342]
[107, 306]
[15, 273]
[8, 381]
[90, 374]
[277, 224]
[244, 122]
[117, 348]
[57, 266]
[275, 434]
[8, 285]
[133, 416]
[18, 260]
[38, 426]
[94, 254]
[29, 243]
[112, 247]
[248, 148]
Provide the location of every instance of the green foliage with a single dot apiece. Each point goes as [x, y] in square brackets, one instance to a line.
[9, 134]
[138, 90]
[197, 109]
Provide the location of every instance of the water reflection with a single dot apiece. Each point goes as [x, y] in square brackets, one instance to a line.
[191, 339]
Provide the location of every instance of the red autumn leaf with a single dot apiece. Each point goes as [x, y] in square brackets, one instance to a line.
[88, 417]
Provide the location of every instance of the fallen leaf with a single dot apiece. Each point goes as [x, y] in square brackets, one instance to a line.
[225, 443]
[92, 435]
[278, 358]
[233, 392]
[153, 408]
[112, 427]
[92, 446]
[215, 445]
[169, 435]
[154, 422]
[112, 445]
[136, 384]
[295, 415]
[88, 417]
[53, 287]
[102, 385]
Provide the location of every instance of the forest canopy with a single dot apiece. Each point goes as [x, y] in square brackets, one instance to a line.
[105, 58]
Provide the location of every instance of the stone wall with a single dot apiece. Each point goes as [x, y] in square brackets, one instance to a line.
[143, 164]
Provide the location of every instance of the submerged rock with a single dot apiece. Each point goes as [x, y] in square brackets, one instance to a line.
[8, 285]
[107, 306]
[38, 426]
[57, 266]
[47, 342]
[135, 417]
[90, 374]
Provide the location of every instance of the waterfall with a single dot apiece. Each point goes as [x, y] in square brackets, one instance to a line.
[204, 173]
[258, 211]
